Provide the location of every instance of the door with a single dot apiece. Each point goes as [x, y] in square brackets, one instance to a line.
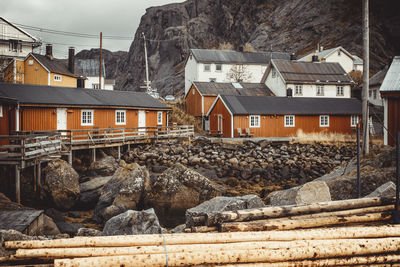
[62, 119]
[220, 125]
[142, 121]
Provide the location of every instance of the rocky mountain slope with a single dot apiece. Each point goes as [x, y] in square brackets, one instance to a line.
[291, 26]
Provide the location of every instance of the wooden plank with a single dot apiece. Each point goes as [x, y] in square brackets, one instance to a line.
[43, 143]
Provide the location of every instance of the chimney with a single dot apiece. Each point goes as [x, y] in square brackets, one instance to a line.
[49, 51]
[71, 59]
[293, 56]
[240, 48]
[321, 48]
[289, 92]
[315, 58]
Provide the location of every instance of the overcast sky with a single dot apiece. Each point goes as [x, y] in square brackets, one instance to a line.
[112, 17]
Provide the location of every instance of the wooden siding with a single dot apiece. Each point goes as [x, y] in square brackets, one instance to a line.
[9, 73]
[35, 74]
[393, 119]
[220, 109]
[4, 121]
[66, 81]
[193, 102]
[208, 101]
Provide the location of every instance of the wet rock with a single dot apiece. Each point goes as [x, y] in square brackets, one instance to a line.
[88, 232]
[387, 190]
[56, 215]
[105, 166]
[88, 199]
[48, 228]
[69, 228]
[178, 229]
[94, 183]
[61, 184]
[133, 222]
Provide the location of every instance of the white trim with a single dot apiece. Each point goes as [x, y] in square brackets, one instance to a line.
[320, 120]
[288, 125]
[202, 105]
[48, 78]
[40, 63]
[59, 78]
[385, 121]
[212, 107]
[160, 122]
[356, 121]
[92, 117]
[123, 111]
[1, 111]
[17, 118]
[232, 133]
[259, 121]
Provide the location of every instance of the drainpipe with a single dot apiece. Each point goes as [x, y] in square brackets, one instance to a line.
[17, 118]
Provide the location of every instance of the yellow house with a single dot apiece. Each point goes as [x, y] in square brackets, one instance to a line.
[44, 70]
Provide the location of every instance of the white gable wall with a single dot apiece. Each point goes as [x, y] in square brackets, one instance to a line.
[191, 70]
[310, 90]
[94, 80]
[344, 60]
[7, 33]
[277, 84]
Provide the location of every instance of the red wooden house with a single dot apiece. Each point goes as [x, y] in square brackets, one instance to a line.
[265, 116]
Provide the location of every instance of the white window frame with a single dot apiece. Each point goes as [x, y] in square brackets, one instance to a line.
[339, 90]
[354, 120]
[57, 78]
[273, 73]
[85, 123]
[30, 62]
[254, 121]
[1, 111]
[159, 117]
[298, 89]
[322, 89]
[288, 122]
[118, 118]
[322, 121]
[207, 67]
[220, 67]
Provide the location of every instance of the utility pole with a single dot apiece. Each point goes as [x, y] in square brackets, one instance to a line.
[147, 64]
[365, 113]
[100, 60]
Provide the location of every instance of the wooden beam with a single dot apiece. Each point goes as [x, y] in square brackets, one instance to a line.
[18, 184]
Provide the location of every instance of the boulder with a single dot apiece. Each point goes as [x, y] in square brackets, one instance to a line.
[122, 192]
[56, 215]
[305, 194]
[176, 190]
[387, 190]
[105, 166]
[88, 199]
[7, 204]
[88, 232]
[133, 222]
[61, 184]
[48, 228]
[69, 228]
[94, 183]
[219, 204]
[178, 229]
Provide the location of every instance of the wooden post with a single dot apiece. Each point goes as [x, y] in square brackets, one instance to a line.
[365, 113]
[119, 152]
[70, 157]
[34, 178]
[18, 184]
[100, 59]
[93, 154]
[39, 182]
[129, 147]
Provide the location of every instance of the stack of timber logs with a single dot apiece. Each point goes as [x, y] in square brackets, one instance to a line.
[349, 244]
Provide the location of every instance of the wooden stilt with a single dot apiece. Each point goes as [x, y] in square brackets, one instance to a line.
[70, 158]
[129, 147]
[94, 154]
[18, 184]
[119, 152]
[39, 172]
[34, 178]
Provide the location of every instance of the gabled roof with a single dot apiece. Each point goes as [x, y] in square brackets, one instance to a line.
[377, 79]
[357, 60]
[392, 78]
[214, 89]
[89, 67]
[293, 71]
[257, 105]
[34, 40]
[59, 66]
[54, 95]
[326, 52]
[235, 57]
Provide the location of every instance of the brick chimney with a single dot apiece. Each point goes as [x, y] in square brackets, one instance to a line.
[49, 51]
[71, 59]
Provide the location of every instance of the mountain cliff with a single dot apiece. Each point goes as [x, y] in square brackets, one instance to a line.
[290, 26]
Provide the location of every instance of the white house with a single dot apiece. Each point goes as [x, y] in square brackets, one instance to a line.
[90, 68]
[338, 54]
[307, 79]
[226, 66]
[375, 83]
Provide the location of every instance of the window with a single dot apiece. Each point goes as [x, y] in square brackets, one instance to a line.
[254, 121]
[289, 121]
[87, 117]
[95, 86]
[1, 111]
[354, 121]
[298, 90]
[207, 67]
[320, 90]
[375, 94]
[213, 80]
[159, 118]
[30, 62]
[120, 117]
[324, 121]
[370, 94]
[273, 73]
[15, 46]
[57, 78]
[339, 53]
[339, 91]
[193, 92]
[218, 67]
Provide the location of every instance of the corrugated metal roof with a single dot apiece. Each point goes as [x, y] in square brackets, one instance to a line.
[310, 72]
[51, 95]
[357, 60]
[245, 105]
[235, 57]
[392, 78]
[324, 53]
[214, 89]
[377, 79]
[59, 66]
[89, 67]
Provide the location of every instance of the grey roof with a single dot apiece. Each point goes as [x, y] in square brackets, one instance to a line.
[324, 53]
[214, 89]
[51, 95]
[244, 105]
[89, 67]
[229, 56]
[357, 60]
[377, 79]
[311, 72]
[392, 78]
[59, 66]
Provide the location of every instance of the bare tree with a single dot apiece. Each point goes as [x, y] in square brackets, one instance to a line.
[239, 73]
[248, 47]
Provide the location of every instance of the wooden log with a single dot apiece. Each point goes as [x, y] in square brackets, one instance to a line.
[364, 260]
[291, 210]
[204, 229]
[340, 248]
[302, 222]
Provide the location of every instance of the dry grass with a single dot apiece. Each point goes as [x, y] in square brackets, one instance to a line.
[178, 115]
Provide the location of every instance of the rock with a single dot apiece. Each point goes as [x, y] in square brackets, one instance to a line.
[105, 166]
[13, 235]
[61, 184]
[218, 204]
[88, 232]
[233, 161]
[159, 169]
[69, 228]
[94, 183]
[56, 215]
[7, 204]
[176, 190]
[88, 199]
[123, 192]
[387, 190]
[133, 222]
[179, 229]
[306, 194]
[74, 214]
[49, 228]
